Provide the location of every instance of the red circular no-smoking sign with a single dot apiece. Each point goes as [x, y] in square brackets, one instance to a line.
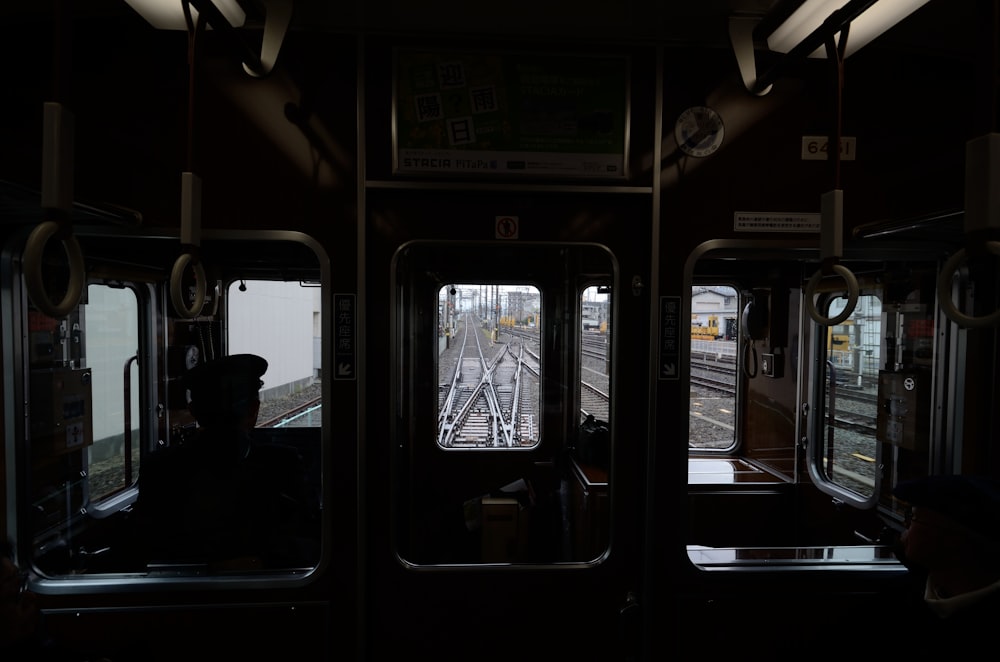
[506, 227]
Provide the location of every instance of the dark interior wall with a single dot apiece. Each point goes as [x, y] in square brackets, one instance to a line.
[273, 152]
[282, 150]
[910, 114]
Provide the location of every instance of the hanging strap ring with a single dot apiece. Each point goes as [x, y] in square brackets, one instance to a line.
[176, 285]
[944, 292]
[32, 261]
[852, 296]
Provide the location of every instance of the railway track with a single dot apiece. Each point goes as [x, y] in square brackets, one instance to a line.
[593, 401]
[594, 345]
[850, 459]
[489, 401]
[491, 396]
[303, 413]
[594, 387]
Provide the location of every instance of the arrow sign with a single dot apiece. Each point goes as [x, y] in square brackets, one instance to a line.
[344, 336]
[669, 342]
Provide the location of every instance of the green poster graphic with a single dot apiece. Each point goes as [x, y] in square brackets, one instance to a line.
[465, 112]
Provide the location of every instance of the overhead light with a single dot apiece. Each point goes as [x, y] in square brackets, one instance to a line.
[877, 18]
[169, 14]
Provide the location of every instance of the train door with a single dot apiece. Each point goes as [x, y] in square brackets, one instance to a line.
[508, 468]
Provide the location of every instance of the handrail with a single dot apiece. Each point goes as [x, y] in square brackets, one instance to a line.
[832, 204]
[831, 417]
[948, 306]
[277, 19]
[749, 351]
[32, 262]
[982, 220]
[127, 432]
[57, 194]
[188, 257]
[852, 296]
[831, 238]
[744, 32]
[190, 194]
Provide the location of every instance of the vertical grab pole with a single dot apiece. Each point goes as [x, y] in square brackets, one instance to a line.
[982, 217]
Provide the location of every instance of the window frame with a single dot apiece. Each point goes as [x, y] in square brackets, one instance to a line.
[114, 501]
[419, 268]
[739, 359]
[440, 323]
[816, 423]
[153, 331]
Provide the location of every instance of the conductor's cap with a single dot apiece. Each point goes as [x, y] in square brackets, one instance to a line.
[234, 376]
[972, 501]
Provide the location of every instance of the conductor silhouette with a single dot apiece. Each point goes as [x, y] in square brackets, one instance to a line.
[222, 498]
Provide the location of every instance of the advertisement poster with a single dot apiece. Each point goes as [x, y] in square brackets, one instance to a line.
[511, 114]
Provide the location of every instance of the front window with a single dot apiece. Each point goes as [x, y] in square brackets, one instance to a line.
[595, 355]
[489, 366]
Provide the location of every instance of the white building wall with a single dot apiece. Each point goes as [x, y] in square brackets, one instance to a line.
[275, 320]
[317, 330]
[706, 303]
[111, 337]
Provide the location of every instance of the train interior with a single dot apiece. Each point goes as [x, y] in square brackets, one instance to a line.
[592, 407]
[94, 371]
[780, 364]
[545, 477]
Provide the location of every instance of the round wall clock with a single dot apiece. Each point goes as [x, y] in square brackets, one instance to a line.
[699, 131]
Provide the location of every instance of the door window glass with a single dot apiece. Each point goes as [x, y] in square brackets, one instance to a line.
[489, 366]
[715, 363]
[111, 347]
[848, 446]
